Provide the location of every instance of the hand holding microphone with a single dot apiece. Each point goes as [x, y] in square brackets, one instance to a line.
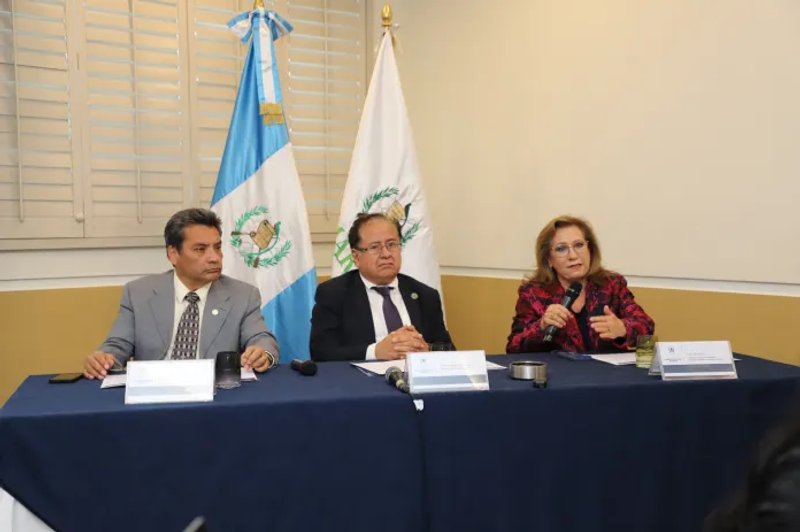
[555, 319]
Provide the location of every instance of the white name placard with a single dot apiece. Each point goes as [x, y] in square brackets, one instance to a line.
[447, 371]
[169, 381]
[694, 360]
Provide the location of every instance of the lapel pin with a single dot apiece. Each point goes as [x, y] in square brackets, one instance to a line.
[414, 295]
[214, 312]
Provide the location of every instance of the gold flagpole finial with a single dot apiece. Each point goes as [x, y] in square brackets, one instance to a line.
[386, 16]
[259, 4]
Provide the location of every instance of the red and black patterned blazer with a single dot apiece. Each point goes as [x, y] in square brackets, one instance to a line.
[534, 298]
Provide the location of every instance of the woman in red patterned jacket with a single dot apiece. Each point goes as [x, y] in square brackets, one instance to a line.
[604, 318]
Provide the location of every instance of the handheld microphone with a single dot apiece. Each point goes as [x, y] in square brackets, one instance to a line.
[570, 296]
[305, 367]
[394, 376]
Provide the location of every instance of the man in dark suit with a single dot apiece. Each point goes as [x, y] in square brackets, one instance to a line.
[375, 312]
[191, 312]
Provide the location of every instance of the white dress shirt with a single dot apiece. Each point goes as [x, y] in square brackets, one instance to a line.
[180, 306]
[376, 306]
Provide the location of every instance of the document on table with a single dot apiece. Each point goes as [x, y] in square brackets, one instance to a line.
[114, 381]
[379, 367]
[617, 359]
[118, 380]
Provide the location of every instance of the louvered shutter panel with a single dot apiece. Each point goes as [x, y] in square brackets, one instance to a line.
[325, 93]
[39, 197]
[137, 132]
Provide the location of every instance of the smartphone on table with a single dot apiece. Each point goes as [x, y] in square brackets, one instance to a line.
[65, 377]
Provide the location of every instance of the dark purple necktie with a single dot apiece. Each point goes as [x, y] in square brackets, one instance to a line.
[390, 313]
[188, 328]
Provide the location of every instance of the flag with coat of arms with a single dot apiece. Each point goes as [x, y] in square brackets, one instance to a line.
[266, 239]
[384, 175]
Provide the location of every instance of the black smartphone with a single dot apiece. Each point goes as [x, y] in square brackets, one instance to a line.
[65, 377]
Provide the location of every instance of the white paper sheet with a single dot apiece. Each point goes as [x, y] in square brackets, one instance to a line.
[379, 367]
[617, 359]
[115, 381]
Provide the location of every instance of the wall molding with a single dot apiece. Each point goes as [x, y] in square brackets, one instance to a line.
[81, 268]
[672, 283]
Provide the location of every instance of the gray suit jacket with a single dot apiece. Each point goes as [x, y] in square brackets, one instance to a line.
[143, 328]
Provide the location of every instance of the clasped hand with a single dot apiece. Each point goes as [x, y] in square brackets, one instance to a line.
[400, 342]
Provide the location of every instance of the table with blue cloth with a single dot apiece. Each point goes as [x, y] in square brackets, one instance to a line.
[601, 448]
[339, 451]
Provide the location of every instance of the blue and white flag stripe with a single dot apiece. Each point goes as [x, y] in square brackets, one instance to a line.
[258, 184]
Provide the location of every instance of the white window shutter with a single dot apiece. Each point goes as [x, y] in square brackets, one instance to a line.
[215, 66]
[38, 193]
[135, 133]
[325, 94]
[114, 113]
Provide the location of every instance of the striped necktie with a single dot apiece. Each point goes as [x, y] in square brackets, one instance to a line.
[188, 330]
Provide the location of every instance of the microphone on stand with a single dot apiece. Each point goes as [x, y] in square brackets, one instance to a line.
[570, 296]
[394, 376]
[305, 367]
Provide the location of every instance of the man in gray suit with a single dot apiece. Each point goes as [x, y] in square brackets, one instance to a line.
[191, 312]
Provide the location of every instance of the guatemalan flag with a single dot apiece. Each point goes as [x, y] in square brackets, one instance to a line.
[266, 240]
[384, 175]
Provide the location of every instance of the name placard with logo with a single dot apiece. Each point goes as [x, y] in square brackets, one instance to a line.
[169, 381]
[447, 371]
[694, 360]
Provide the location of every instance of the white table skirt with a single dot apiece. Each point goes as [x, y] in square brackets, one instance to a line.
[14, 517]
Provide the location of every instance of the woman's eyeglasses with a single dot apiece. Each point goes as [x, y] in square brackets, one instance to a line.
[562, 250]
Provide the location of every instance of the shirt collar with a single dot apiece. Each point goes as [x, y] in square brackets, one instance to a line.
[370, 284]
[181, 290]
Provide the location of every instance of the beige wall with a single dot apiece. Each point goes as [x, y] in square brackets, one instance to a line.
[50, 331]
[671, 125]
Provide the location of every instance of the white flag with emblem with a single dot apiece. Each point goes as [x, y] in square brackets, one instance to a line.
[384, 175]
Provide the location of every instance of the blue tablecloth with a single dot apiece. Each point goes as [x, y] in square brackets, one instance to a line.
[339, 451]
[602, 448]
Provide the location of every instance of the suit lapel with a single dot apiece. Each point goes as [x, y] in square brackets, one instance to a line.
[214, 315]
[162, 305]
[411, 300]
[359, 303]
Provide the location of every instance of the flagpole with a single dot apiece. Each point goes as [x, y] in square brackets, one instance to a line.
[386, 16]
[386, 21]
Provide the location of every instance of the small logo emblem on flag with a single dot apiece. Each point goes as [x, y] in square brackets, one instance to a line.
[256, 239]
[385, 201]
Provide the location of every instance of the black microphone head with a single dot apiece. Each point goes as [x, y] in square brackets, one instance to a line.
[393, 373]
[571, 295]
[574, 290]
[305, 367]
[308, 368]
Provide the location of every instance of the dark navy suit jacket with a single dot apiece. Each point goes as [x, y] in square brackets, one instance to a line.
[341, 323]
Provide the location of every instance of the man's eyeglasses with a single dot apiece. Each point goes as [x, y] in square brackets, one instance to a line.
[562, 250]
[375, 247]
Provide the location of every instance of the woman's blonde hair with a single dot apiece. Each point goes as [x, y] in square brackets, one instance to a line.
[544, 274]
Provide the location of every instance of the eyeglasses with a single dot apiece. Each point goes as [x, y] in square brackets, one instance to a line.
[375, 247]
[562, 250]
